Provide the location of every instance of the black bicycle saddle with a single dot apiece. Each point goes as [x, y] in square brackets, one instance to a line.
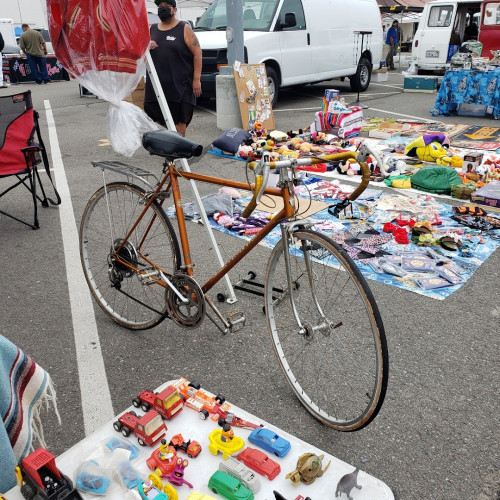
[170, 145]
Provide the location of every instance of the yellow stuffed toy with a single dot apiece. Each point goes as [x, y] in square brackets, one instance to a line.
[431, 148]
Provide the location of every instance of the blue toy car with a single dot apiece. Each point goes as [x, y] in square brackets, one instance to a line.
[270, 441]
[115, 443]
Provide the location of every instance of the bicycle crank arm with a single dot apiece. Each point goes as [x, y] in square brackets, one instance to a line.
[172, 287]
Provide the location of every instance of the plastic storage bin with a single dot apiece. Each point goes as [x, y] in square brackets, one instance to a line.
[467, 109]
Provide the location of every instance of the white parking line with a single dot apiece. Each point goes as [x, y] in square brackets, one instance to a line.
[96, 404]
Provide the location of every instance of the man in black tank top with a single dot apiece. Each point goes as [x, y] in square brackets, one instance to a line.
[176, 54]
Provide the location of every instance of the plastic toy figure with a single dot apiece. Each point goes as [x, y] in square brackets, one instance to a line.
[347, 483]
[162, 466]
[227, 448]
[308, 469]
[176, 477]
[152, 488]
[227, 434]
[165, 451]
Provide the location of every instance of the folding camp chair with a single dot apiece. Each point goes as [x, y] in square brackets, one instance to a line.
[20, 154]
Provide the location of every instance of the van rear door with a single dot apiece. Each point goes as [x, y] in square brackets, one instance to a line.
[295, 43]
[489, 32]
[432, 39]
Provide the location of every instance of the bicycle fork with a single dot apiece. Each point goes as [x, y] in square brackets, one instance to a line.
[322, 325]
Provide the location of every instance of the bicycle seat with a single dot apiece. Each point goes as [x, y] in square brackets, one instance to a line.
[170, 145]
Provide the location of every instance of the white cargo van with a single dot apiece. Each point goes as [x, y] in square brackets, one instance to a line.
[444, 26]
[299, 41]
[8, 32]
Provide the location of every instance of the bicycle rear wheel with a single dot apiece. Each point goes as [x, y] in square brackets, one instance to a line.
[336, 360]
[126, 295]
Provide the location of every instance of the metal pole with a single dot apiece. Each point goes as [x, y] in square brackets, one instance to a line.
[171, 126]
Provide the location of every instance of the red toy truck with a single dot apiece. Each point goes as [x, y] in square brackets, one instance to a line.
[168, 403]
[148, 429]
[38, 477]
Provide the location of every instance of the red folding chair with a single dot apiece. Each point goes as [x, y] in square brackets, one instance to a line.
[20, 154]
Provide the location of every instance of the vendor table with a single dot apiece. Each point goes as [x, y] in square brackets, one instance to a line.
[471, 87]
[200, 468]
[17, 69]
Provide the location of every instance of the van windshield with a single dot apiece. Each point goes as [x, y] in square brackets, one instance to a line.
[257, 15]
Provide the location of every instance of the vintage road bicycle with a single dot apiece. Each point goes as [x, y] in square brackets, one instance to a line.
[323, 320]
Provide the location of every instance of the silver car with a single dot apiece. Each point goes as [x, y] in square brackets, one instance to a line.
[240, 471]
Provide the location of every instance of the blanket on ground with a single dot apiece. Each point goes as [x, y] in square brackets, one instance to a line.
[25, 388]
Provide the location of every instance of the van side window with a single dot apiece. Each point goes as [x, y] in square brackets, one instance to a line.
[440, 16]
[294, 6]
[492, 14]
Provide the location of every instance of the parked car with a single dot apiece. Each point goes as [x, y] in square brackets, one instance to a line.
[11, 49]
[298, 41]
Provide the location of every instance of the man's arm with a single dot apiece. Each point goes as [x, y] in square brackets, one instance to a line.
[194, 46]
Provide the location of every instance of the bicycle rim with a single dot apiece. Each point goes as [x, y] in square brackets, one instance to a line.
[128, 298]
[337, 360]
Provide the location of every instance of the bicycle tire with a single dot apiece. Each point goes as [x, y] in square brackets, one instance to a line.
[120, 292]
[338, 365]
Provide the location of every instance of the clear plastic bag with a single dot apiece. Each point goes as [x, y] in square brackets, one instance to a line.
[102, 44]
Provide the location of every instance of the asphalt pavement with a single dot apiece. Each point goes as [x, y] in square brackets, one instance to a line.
[437, 434]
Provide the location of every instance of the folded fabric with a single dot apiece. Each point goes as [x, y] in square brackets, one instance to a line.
[24, 389]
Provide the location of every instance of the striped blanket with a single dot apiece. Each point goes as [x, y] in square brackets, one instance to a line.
[25, 388]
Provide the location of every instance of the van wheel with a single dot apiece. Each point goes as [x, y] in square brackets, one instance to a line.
[272, 81]
[360, 81]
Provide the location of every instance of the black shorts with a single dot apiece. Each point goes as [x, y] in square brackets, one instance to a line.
[182, 112]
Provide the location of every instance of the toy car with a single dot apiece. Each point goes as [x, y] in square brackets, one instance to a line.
[227, 448]
[241, 472]
[199, 399]
[115, 443]
[168, 403]
[148, 429]
[229, 487]
[270, 441]
[38, 477]
[259, 462]
[208, 404]
[152, 488]
[191, 448]
[166, 466]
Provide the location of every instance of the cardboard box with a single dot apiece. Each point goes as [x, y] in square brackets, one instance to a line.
[137, 95]
[488, 195]
[427, 84]
[380, 75]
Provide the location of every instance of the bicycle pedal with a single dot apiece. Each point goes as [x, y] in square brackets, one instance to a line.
[236, 321]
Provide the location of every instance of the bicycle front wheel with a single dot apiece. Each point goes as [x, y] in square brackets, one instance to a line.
[327, 331]
[128, 292]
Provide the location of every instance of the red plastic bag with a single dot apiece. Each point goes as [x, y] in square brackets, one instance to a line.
[102, 44]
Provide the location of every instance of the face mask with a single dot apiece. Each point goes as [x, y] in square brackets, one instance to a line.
[164, 13]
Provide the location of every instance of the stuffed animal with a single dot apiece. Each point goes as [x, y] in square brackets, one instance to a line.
[431, 148]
